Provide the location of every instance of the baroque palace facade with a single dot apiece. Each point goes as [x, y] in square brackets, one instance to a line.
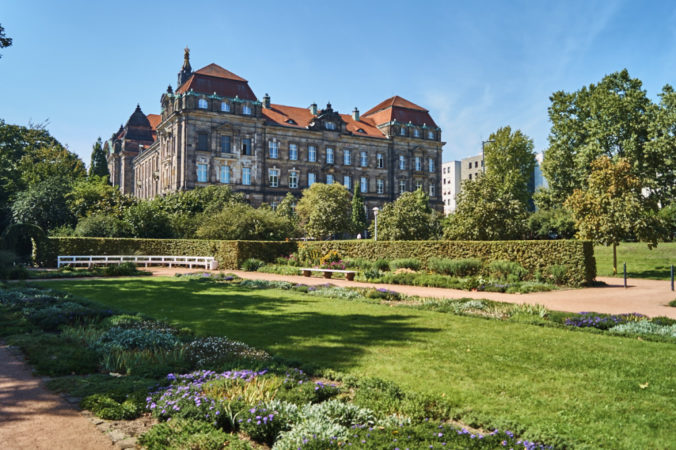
[214, 130]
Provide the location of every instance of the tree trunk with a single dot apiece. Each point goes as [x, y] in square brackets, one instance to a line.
[614, 259]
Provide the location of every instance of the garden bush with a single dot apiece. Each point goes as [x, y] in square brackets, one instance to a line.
[455, 267]
[212, 352]
[507, 270]
[252, 264]
[381, 264]
[190, 434]
[121, 270]
[406, 263]
[559, 273]
[106, 406]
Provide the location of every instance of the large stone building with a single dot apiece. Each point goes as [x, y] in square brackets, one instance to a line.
[213, 129]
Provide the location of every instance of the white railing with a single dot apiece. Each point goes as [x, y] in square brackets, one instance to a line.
[208, 262]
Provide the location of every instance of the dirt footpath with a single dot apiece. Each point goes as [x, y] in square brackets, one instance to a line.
[648, 297]
[31, 417]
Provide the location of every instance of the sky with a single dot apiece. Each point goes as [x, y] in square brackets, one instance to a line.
[82, 66]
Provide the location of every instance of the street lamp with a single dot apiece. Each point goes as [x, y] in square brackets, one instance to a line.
[483, 150]
[375, 215]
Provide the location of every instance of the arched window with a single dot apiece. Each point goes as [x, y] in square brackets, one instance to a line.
[202, 104]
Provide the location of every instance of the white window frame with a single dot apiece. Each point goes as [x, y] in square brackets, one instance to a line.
[431, 165]
[416, 132]
[329, 179]
[418, 184]
[363, 184]
[246, 109]
[224, 175]
[202, 170]
[347, 157]
[311, 179]
[329, 155]
[432, 190]
[402, 186]
[418, 164]
[293, 152]
[225, 107]
[273, 177]
[363, 159]
[402, 131]
[430, 135]
[273, 147]
[312, 153]
[293, 179]
[246, 176]
[202, 103]
[380, 186]
[380, 160]
[330, 126]
[229, 138]
[347, 182]
[402, 162]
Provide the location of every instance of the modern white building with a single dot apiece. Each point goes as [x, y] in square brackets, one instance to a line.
[450, 184]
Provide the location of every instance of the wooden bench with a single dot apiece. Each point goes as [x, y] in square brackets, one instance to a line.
[208, 262]
[349, 274]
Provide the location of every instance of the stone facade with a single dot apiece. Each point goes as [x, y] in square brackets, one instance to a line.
[213, 129]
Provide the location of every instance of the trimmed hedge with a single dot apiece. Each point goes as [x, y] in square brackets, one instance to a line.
[534, 256]
[229, 254]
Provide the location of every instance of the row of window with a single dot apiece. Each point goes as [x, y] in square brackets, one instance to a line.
[202, 103]
[224, 176]
[416, 133]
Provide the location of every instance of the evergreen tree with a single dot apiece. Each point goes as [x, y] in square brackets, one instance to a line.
[358, 218]
[99, 166]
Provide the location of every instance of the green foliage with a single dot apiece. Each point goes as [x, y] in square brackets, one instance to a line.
[486, 211]
[406, 263]
[252, 264]
[213, 352]
[10, 269]
[44, 204]
[239, 221]
[98, 166]
[507, 270]
[559, 273]
[324, 210]
[180, 434]
[552, 223]
[409, 217]
[209, 199]
[95, 196]
[109, 408]
[147, 220]
[510, 161]
[456, 267]
[102, 225]
[358, 218]
[53, 355]
[381, 265]
[4, 40]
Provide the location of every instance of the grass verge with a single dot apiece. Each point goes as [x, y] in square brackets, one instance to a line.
[641, 262]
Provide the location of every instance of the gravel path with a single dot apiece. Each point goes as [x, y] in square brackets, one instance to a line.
[31, 417]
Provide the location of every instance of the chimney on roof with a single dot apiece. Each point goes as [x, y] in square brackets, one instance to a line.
[266, 101]
[355, 113]
[313, 109]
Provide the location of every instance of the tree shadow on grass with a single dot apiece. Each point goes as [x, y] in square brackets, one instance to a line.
[327, 332]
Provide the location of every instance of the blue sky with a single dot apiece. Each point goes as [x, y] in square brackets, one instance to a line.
[475, 65]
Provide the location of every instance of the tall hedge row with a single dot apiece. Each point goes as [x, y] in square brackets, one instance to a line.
[534, 256]
[229, 254]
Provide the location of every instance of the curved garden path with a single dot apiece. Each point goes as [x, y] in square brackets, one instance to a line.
[31, 417]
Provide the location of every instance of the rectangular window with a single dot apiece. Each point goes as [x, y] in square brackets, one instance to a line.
[203, 142]
[201, 173]
[293, 152]
[430, 135]
[225, 144]
[402, 162]
[225, 174]
[380, 186]
[246, 146]
[246, 176]
[246, 109]
[431, 164]
[402, 131]
[432, 190]
[416, 132]
[311, 153]
[347, 157]
[418, 164]
[363, 159]
[470, 176]
[363, 184]
[293, 179]
[402, 186]
[470, 165]
[329, 155]
[273, 177]
[347, 182]
[310, 179]
[202, 104]
[380, 159]
[418, 185]
[329, 179]
[225, 107]
[274, 149]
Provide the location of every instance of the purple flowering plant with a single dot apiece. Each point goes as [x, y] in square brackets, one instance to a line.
[601, 321]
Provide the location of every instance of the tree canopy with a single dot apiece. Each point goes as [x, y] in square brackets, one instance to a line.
[4, 40]
[358, 217]
[98, 165]
[408, 218]
[324, 210]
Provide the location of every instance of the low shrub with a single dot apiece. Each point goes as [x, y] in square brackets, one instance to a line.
[406, 263]
[644, 327]
[382, 294]
[252, 264]
[663, 320]
[214, 351]
[279, 270]
[357, 263]
[455, 267]
[151, 363]
[107, 407]
[559, 273]
[190, 434]
[601, 321]
[382, 265]
[50, 317]
[507, 270]
[119, 338]
[333, 292]
[54, 355]
[264, 424]
[122, 270]
[118, 388]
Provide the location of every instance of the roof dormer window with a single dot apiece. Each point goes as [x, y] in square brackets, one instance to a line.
[246, 110]
[430, 135]
[202, 103]
[225, 107]
[402, 131]
[330, 126]
[361, 130]
[291, 122]
[416, 132]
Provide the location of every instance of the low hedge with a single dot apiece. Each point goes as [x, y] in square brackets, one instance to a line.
[229, 254]
[534, 256]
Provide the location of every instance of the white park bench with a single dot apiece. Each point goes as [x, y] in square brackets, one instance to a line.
[208, 262]
[349, 274]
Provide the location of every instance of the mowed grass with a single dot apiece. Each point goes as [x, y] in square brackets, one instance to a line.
[641, 262]
[568, 388]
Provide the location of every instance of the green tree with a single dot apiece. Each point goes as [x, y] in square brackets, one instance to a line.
[102, 225]
[146, 220]
[95, 196]
[44, 204]
[99, 166]
[611, 207]
[610, 118]
[661, 150]
[324, 210]
[243, 222]
[486, 211]
[510, 160]
[4, 40]
[408, 218]
[556, 222]
[358, 218]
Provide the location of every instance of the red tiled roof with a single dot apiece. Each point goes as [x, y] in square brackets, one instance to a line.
[400, 109]
[280, 114]
[215, 79]
[154, 120]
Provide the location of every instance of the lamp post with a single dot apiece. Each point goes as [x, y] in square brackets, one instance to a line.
[375, 215]
[483, 150]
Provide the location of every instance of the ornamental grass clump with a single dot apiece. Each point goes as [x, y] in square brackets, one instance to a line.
[507, 271]
[406, 263]
[214, 351]
[644, 327]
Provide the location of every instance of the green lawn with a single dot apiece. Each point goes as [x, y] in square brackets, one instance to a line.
[641, 261]
[565, 387]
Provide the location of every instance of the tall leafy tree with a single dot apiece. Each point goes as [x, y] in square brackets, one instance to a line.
[661, 150]
[324, 210]
[4, 40]
[98, 166]
[408, 218]
[510, 160]
[44, 204]
[95, 196]
[611, 207]
[242, 221]
[358, 217]
[611, 118]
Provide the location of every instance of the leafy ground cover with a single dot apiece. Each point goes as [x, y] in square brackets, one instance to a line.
[641, 262]
[553, 385]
